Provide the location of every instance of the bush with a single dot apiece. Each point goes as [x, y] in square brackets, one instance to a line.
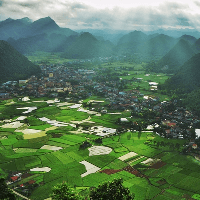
[63, 192]
[111, 191]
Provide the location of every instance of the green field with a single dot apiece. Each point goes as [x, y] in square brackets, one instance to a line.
[176, 177]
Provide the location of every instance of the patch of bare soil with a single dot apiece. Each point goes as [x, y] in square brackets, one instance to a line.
[158, 165]
[56, 135]
[134, 171]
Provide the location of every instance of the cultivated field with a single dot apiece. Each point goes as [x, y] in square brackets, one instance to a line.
[44, 146]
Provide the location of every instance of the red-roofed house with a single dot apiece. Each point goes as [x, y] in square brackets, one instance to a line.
[194, 146]
[15, 178]
[171, 124]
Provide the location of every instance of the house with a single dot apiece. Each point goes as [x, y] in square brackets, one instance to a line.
[124, 120]
[22, 81]
[194, 146]
[15, 178]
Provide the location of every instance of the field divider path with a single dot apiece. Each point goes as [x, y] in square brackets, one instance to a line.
[20, 195]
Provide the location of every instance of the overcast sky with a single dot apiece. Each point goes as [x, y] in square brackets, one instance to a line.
[114, 14]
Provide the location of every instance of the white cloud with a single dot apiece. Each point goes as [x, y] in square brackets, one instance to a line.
[77, 15]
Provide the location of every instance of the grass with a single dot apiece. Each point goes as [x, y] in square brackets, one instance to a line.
[47, 57]
[9, 141]
[71, 115]
[63, 141]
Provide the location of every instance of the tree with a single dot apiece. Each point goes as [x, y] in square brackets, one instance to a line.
[5, 192]
[113, 190]
[63, 192]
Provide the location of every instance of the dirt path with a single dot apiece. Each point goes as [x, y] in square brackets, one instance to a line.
[20, 195]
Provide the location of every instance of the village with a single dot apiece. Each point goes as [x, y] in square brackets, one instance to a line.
[70, 86]
[75, 83]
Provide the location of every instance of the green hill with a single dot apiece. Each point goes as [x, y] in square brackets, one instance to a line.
[176, 57]
[186, 84]
[13, 65]
[87, 46]
[188, 77]
[157, 46]
[190, 39]
[30, 44]
[130, 43]
[196, 46]
[24, 28]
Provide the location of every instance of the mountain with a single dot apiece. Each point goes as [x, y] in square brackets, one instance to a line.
[23, 28]
[60, 43]
[43, 25]
[129, 43]
[87, 46]
[41, 35]
[43, 42]
[157, 45]
[190, 39]
[134, 37]
[177, 56]
[13, 65]
[30, 44]
[187, 78]
[196, 46]
[176, 33]
[12, 28]
[26, 20]
[108, 34]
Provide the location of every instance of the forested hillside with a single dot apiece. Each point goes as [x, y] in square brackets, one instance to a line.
[13, 65]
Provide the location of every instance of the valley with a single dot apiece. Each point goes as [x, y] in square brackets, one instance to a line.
[85, 107]
[88, 124]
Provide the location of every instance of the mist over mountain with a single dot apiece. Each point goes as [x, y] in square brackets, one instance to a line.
[22, 28]
[190, 39]
[87, 46]
[30, 44]
[177, 56]
[53, 42]
[130, 42]
[13, 65]
[176, 33]
[13, 28]
[45, 35]
[187, 78]
[196, 46]
[157, 45]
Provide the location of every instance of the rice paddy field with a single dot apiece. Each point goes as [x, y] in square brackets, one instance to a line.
[45, 148]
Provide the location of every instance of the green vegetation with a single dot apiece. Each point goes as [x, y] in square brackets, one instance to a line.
[185, 84]
[18, 154]
[5, 193]
[112, 191]
[176, 57]
[63, 192]
[87, 46]
[47, 57]
[15, 66]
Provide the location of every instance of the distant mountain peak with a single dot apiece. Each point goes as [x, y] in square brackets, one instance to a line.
[45, 20]
[87, 35]
[44, 24]
[26, 19]
[8, 20]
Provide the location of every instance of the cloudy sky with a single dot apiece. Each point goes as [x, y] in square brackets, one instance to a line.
[114, 14]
